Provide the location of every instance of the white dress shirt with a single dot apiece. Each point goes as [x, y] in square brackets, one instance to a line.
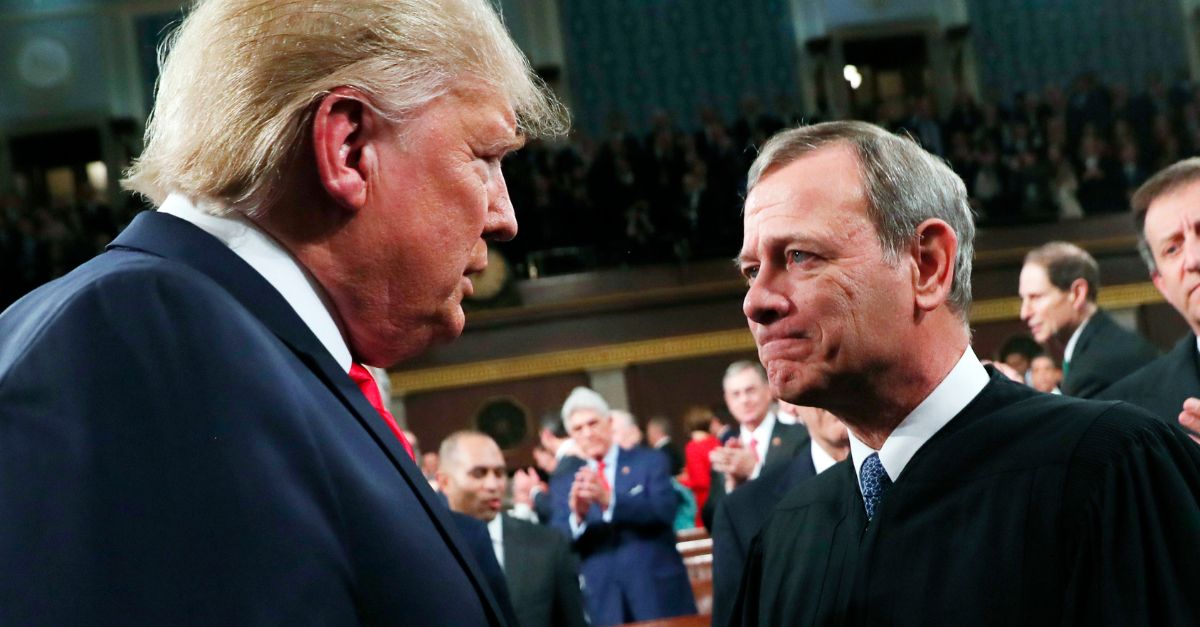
[820, 459]
[270, 259]
[954, 393]
[497, 534]
[761, 437]
[1069, 349]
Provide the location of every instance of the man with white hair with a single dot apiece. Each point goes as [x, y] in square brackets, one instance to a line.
[967, 498]
[327, 176]
[617, 506]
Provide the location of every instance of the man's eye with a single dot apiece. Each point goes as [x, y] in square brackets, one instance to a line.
[750, 273]
[798, 256]
[1170, 250]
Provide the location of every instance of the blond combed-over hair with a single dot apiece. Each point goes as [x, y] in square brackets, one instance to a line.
[240, 79]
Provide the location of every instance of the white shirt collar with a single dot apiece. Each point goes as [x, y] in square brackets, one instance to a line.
[1070, 348]
[821, 460]
[275, 264]
[761, 434]
[497, 535]
[955, 392]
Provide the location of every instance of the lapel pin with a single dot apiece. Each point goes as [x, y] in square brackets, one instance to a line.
[624, 470]
[776, 441]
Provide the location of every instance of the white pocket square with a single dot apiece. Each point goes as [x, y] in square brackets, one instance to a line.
[637, 489]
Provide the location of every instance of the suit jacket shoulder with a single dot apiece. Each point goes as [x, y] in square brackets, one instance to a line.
[1162, 385]
[211, 418]
[1104, 352]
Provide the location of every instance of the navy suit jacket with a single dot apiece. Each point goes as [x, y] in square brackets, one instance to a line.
[739, 518]
[631, 569]
[177, 448]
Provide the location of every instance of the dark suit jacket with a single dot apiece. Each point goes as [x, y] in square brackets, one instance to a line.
[1162, 385]
[179, 449]
[739, 518]
[1104, 353]
[477, 538]
[785, 443]
[674, 456]
[631, 569]
[543, 575]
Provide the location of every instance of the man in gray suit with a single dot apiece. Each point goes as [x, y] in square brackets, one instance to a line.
[542, 573]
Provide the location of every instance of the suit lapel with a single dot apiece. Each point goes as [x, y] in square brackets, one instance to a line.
[173, 238]
[1095, 325]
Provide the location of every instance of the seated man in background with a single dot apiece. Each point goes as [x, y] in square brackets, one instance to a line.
[1058, 287]
[761, 441]
[1167, 213]
[741, 515]
[617, 506]
[1045, 375]
[541, 572]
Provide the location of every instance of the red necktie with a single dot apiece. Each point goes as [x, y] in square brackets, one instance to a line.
[603, 479]
[754, 449]
[370, 389]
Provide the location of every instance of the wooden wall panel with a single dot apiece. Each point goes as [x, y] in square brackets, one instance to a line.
[668, 388]
[434, 415]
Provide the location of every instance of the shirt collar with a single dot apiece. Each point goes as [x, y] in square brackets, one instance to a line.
[494, 529]
[762, 432]
[275, 264]
[821, 460]
[954, 393]
[1070, 347]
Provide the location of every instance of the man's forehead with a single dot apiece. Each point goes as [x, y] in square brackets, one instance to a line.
[1164, 212]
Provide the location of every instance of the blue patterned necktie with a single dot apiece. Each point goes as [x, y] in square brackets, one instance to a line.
[875, 482]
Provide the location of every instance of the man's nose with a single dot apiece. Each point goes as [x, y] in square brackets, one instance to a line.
[1191, 253]
[764, 302]
[1026, 310]
[501, 222]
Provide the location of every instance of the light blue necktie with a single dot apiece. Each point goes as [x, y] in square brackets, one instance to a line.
[875, 481]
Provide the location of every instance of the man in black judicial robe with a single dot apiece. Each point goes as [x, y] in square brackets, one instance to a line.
[1026, 508]
[967, 499]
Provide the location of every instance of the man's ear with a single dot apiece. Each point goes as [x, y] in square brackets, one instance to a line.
[1079, 293]
[1157, 280]
[340, 128]
[934, 251]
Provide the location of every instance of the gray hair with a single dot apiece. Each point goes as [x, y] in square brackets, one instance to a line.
[1162, 183]
[240, 80]
[584, 398]
[905, 185]
[742, 365]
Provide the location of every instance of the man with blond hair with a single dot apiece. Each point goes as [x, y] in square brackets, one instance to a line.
[327, 177]
[967, 498]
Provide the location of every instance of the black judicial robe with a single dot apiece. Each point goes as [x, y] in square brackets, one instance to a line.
[1025, 509]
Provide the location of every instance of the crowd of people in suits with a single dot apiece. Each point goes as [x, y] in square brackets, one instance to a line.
[667, 194]
[672, 194]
